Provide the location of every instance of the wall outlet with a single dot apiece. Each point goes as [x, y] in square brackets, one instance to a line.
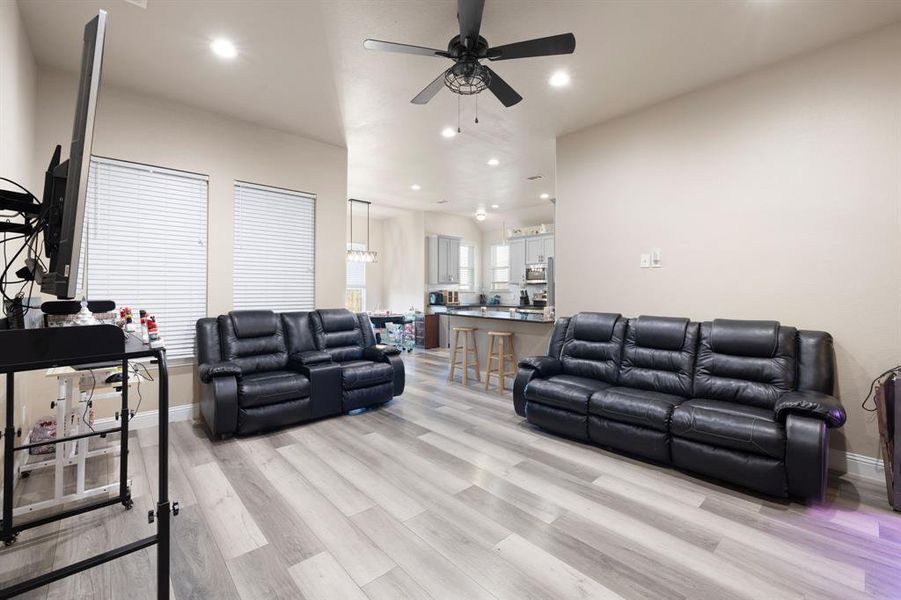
[655, 259]
[645, 261]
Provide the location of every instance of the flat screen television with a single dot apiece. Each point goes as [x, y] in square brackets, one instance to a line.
[65, 184]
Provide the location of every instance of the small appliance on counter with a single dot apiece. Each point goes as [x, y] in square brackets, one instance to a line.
[437, 298]
[539, 299]
[451, 297]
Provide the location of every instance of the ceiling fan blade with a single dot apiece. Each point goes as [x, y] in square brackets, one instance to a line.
[565, 43]
[500, 88]
[469, 14]
[403, 48]
[430, 90]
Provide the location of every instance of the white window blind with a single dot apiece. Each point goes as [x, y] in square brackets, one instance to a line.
[467, 266]
[355, 294]
[500, 267]
[146, 232]
[275, 245]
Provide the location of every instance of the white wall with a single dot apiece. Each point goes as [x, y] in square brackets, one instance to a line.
[374, 271]
[18, 85]
[403, 261]
[776, 195]
[135, 127]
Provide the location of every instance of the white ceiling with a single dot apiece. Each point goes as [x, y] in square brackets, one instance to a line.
[302, 68]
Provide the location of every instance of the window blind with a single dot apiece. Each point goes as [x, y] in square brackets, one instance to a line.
[355, 294]
[275, 245]
[500, 267]
[146, 232]
[467, 266]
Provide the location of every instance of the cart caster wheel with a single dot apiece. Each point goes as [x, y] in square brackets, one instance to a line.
[10, 541]
[25, 474]
[128, 504]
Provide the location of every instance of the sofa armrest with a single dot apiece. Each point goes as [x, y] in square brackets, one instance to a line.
[308, 358]
[380, 352]
[207, 372]
[811, 404]
[545, 365]
[219, 404]
[326, 391]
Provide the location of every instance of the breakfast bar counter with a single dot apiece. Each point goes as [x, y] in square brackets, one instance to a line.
[531, 331]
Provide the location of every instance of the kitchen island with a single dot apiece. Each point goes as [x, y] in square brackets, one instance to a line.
[531, 331]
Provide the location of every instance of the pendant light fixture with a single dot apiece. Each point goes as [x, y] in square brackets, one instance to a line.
[366, 255]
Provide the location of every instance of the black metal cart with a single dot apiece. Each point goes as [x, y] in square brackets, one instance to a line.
[27, 350]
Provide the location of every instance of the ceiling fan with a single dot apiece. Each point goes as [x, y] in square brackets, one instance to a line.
[468, 76]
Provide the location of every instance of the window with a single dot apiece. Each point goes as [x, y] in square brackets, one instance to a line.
[500, 267]
[355, 294]
[467, 266]
[146, 232]
[275, 242]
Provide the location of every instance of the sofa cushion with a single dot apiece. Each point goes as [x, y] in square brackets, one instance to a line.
[568, 392]
[256, 353]
[729, 425]
[260, 389]
[358, 374]
[337, 331]
[659, 355]
[735, 373]
[635, 406]
[593, 346]
[253, 323]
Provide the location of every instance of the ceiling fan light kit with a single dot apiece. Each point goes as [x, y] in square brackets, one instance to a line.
[468, 76]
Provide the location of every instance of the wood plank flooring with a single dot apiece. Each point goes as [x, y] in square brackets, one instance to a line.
[446, 493]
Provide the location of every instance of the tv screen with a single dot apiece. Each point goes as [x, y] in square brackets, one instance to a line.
[65, 216]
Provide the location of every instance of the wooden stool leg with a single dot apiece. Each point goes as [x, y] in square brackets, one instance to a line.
[465, 357]
[502, 371]
[490, 356]
[450, 376]
[475, 352]
[513, 357]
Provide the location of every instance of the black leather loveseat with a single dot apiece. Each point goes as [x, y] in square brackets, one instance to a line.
[748, 402]
[260, 370]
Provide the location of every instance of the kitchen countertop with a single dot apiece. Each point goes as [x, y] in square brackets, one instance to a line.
[501, 315]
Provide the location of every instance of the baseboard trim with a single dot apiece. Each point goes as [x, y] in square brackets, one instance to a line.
[858, 465]
[150, 418]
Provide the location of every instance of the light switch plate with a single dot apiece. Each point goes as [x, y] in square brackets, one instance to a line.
[645, 261]
[655, 259]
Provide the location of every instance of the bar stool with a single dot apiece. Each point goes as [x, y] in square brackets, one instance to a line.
[469, 345]
[503, 338]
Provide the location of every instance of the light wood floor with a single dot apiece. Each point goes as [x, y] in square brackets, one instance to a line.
[446, 493]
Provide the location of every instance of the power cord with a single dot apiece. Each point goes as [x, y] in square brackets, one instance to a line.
[866, 399]
[87, 405]
[134, 368]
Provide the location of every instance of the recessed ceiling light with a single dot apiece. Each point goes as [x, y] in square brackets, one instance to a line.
[224, 48]
[415, 187]
[495, 206]
[493, 162]
[448, 132]
[544, 196]
[559, 79]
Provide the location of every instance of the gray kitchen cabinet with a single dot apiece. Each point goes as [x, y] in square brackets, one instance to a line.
[444, 259]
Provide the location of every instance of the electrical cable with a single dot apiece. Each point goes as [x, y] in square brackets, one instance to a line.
[87, 404]
[20, 186]
[866, 399]
[140, 396]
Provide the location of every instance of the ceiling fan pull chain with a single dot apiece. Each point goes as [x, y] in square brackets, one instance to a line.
[477, 109]
[458, 114]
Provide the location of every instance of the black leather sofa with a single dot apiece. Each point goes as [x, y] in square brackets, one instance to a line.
[260, 370]
[749, 402]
